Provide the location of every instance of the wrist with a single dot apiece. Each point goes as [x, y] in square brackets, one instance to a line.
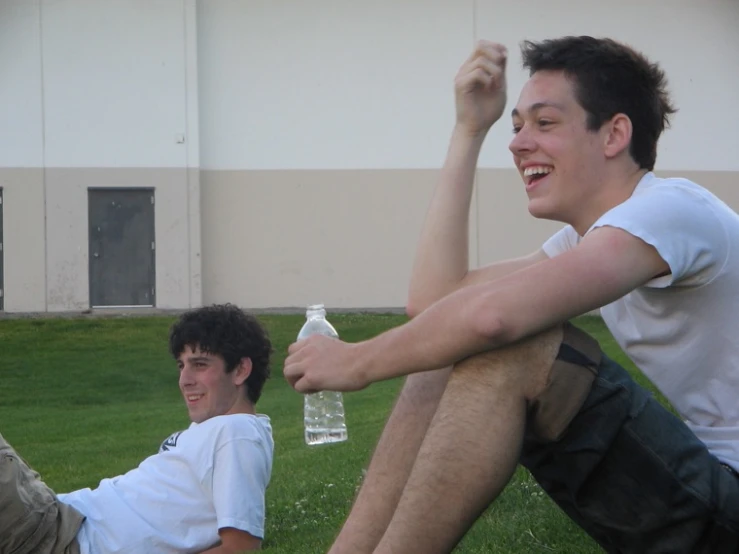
[464, 149]
[380, 358]
[362, 368]
[475, 137]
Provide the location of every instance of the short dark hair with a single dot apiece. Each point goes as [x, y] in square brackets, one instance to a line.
[610, 78]
[227, 331]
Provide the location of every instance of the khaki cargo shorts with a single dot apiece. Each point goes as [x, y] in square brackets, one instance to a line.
[32, 519]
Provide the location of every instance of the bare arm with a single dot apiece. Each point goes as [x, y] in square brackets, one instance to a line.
[499, 269]
[235, 541]
[442, 257]
[605, 266]
[441, 264]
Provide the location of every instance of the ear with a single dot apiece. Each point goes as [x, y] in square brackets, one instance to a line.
[617, 136]
[242, 372]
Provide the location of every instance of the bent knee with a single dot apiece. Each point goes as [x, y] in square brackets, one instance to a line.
[524, 364]
[426, 387]
[553, 371]
[569, 381]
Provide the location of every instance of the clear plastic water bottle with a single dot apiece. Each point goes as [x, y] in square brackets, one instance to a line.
[323, 412]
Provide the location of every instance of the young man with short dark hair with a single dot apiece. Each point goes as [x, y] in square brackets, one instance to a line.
[202, 492]
[497, 374]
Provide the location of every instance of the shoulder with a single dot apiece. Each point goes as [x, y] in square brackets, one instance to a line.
[226, 428]
[666, 205]
[667, 195]
[686, 224]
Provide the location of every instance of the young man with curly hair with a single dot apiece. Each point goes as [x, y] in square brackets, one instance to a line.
[202, 492]
[658, 256]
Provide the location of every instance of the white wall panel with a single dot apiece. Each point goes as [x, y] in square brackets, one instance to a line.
[328, 83]
[114, 83]
[20, 84]
[695, 42]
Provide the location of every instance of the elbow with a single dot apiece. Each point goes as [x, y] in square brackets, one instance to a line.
[419, 301]
[416, 306]
[416, 303]
[492, 326]
[411, 309]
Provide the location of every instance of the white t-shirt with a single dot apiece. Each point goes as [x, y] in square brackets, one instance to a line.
[212, 475]
[682, 330]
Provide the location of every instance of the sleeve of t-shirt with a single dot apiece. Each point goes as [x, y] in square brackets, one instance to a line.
[681, 225]
[241, 471]
[563, 240]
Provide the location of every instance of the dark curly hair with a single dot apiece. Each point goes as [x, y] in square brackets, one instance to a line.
[228, 331]
[610, 78]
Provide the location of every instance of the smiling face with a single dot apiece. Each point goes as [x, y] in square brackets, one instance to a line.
[561, 162]
[208, 389]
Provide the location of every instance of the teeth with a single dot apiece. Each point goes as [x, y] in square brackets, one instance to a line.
[537, 170]
[194, 397]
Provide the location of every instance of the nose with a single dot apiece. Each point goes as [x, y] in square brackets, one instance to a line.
[522, 142]
[185, 376]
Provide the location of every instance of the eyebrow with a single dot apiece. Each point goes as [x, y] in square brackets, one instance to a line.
[538, 106]
[196, 359]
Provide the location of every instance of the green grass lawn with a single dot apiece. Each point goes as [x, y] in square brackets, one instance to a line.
[84, 399]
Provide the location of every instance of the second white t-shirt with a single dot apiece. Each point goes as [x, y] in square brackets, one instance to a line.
[212, 475]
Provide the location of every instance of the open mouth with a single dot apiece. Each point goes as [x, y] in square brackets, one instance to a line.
[193, 398]
[534, 174]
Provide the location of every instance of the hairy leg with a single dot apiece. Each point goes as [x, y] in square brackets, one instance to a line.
[472, 446]
[391, 463]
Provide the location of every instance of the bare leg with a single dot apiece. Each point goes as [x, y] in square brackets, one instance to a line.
[471, 448]
[392, 463]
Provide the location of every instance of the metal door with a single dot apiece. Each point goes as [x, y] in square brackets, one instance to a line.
[122, 247]
[2, 256]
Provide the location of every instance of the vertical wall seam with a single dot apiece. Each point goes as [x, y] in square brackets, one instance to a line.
[188, 138]
[43, 154]
[476, 181]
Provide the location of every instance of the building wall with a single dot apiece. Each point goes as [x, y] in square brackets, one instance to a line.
[321, 143]
[102, 95]
[295, 146]
[21, 158]
[326, 137]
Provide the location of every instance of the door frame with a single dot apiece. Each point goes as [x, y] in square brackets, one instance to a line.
[2, 255]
